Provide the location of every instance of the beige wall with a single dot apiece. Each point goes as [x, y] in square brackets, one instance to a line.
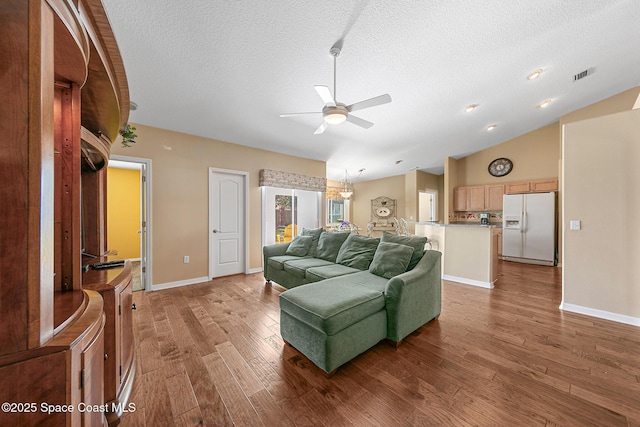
[534, 155]
[364, 192]
[601, 175]
[180, 183]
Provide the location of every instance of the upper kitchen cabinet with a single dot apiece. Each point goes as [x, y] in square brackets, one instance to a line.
[493, 197]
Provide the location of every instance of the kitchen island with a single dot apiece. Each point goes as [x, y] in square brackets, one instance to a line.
[469, 251]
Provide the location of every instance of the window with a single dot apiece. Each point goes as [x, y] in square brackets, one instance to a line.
[337, 211]
[286, 212]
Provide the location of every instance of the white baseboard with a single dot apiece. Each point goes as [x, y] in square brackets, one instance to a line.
[466, 281]
[607, 315]
[169, 285]
[254, 270]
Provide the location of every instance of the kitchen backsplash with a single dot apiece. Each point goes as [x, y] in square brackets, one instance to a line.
[494, 217]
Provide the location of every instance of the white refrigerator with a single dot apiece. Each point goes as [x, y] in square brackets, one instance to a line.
[529, 228]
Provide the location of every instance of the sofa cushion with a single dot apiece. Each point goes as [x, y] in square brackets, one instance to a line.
[315, 233]
[331, 306]
[300, 245]
[367, 280]
[357, 251]
[279, 260]
[329, 244]
[416, 242]
[391, 259]
[315, 274]
[298, 267]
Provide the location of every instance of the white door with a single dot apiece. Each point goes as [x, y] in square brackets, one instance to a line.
[227, 210]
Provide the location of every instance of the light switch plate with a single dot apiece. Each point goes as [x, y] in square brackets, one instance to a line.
[574, 225]
[185, 259]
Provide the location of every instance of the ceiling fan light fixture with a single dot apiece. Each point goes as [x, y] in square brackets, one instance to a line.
[335, 117]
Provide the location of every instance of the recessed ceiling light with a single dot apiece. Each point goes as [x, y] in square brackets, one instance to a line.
[544, 104]
[534, 75]
[470, 108]
[491, 127]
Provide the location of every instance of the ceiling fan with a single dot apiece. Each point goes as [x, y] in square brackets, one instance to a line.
[335, 112]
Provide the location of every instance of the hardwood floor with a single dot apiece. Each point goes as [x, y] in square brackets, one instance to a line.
[211, 354]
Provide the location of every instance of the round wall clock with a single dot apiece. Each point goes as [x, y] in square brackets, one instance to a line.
[500, 167]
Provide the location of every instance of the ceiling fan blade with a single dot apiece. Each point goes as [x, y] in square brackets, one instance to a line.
[325, 94]
[378, 100]
[359, 122]
[321, 128]
[299, 114]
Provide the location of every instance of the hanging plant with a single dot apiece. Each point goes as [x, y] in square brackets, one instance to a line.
[128, 135]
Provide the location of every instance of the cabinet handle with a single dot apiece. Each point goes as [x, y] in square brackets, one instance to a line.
[106, 356]
[133, 306]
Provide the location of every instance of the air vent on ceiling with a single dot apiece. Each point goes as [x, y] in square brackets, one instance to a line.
[582, 74]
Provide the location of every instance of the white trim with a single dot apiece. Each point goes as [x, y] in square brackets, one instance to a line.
[466, 281]
[255, 270]
[133, 259]
[245, 175]
[149, 235]
[594, 312]
[169, 285]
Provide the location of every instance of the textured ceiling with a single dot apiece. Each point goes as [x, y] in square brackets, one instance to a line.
[227, 69]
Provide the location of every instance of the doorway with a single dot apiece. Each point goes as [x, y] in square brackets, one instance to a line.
[228, 222]
[128, 225]
[428, 205]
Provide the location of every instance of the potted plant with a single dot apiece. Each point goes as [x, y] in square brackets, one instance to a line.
[128, 135]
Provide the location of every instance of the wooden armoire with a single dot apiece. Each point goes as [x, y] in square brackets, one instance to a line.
[66, 344]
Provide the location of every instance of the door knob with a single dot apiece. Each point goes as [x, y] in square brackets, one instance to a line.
[215, 231]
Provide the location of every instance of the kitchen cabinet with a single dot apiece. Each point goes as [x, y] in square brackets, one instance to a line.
[493, 197]
[535, 186]
[517, 187]
[460, 199]
[543, 186]
[475, 198]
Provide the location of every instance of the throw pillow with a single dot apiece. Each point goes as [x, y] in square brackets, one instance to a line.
[329, 245]
[299, 246]
[390, 259]
[315, 233]
[357, 251]
[416, 242]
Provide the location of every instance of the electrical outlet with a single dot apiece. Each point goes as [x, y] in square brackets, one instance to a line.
[185, 259]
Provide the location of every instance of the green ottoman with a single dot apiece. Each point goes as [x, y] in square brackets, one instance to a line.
[332, 321]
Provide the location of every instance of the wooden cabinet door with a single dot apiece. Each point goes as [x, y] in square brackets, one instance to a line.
[517, 187]
[126, 332]
[460, 199]
[493, 197]
[475, 198]
[544, 185]
[92, 359]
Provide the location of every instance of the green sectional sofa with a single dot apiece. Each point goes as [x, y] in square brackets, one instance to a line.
[346, 292]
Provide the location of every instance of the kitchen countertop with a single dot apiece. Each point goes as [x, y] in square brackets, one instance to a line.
[460, 224]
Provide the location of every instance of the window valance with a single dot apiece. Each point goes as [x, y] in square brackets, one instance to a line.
[271, 178]
[334, 193]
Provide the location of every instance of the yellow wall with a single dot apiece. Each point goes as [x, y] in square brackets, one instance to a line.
[180, 172]
[123, 212]
[601, 175]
